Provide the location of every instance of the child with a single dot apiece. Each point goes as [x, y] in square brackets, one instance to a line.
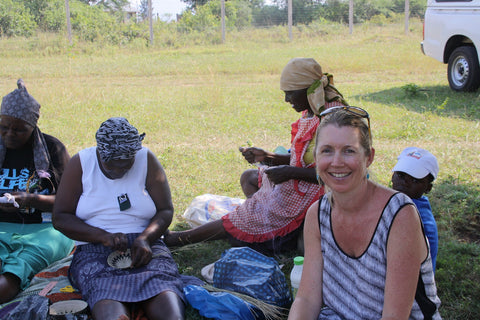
[413, 175]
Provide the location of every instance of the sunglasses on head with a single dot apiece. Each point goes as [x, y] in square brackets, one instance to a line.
[359, 112]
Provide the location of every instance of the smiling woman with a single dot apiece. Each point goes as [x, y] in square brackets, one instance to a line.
[366, 255]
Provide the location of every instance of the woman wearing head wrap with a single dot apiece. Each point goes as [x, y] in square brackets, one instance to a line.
[31, 165]
[115, 196]
[280, 192]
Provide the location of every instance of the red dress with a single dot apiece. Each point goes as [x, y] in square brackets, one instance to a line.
[276, 210]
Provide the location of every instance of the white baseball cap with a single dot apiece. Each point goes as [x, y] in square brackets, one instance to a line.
[417, 162]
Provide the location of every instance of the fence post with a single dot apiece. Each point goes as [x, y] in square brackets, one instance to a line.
[69, 25]
[350, 16]
[290, 19]
[407, 15]
[150, 20]
[222, 13]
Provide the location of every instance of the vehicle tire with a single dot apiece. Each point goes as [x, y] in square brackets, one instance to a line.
[464, 69]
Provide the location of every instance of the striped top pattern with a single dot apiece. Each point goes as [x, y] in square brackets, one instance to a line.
[354, 286]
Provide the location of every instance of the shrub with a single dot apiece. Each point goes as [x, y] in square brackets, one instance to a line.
[15, 20]
[54, 17]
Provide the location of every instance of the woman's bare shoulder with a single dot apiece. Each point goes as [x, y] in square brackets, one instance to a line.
[382, 191]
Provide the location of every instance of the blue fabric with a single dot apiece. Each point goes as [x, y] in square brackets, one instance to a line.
[25, 249]
[247, 271]
[423, 206]
[217, 305]
[33, 307]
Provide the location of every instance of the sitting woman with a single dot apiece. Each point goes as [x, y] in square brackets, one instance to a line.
[366, 254]
[31, 164]
[116, 197]
[271, 218]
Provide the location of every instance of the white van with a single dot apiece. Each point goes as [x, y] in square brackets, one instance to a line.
[451, 34]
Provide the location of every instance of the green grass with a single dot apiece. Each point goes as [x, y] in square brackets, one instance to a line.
[199, 103]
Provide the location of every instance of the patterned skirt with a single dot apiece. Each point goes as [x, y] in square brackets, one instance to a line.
[96, 280]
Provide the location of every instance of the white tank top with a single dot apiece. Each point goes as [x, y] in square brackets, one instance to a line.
[98, 205]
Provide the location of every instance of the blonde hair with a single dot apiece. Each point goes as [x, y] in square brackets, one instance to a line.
[343, 118]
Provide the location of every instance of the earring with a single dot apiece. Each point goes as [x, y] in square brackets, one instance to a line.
[320, 182]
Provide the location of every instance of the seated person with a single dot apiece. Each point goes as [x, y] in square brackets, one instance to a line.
[366, 254]
[413, 175]
[271, 218]
[31, 165]
[116, 196]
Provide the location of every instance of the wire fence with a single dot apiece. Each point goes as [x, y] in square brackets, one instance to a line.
[290, 13]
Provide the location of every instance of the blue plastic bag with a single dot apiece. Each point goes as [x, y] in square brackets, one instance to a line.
[249, 272]
[217, 305]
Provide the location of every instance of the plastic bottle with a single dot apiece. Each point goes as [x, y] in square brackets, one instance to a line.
[296, 274]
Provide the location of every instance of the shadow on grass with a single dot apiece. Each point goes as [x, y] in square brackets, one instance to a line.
[440, 100]
[456, 205]
[458, 280]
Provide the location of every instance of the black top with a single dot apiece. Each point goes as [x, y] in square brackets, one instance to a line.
[18, 172]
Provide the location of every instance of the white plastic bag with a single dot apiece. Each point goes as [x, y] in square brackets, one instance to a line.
[209, 207]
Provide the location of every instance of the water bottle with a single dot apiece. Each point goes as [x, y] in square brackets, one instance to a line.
[296, 274]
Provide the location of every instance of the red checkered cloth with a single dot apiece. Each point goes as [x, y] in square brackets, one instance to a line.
[276, 210]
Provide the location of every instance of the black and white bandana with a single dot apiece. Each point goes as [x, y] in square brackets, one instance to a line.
[117, 139]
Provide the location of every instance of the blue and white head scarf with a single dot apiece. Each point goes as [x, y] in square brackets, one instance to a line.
[117, 139]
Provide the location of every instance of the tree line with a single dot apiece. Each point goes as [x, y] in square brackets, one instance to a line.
[106, 19]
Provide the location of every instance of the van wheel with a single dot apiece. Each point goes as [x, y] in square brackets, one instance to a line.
[463, 69]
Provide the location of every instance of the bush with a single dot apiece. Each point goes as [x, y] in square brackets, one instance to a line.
[15, 20]
[54, 17]
[238, 14]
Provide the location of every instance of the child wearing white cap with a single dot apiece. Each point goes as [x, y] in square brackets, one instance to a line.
[413, 175]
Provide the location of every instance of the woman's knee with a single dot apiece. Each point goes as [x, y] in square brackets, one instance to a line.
[165, 306]
[110, 310]
[249, 176]
[9, 287]
[249, 182]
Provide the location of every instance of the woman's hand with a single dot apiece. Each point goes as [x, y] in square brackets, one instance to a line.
[279, 174]
[22, 198]
[41, 202]
[116, 241]
[253, 155]
[141, 252]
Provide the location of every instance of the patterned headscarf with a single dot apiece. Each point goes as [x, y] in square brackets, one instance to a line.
[21, 105]
[301, 73]
[117, 139]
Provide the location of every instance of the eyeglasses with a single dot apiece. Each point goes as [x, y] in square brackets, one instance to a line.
[350, 109]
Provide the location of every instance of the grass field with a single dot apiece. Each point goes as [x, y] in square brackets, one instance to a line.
[198, 104]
